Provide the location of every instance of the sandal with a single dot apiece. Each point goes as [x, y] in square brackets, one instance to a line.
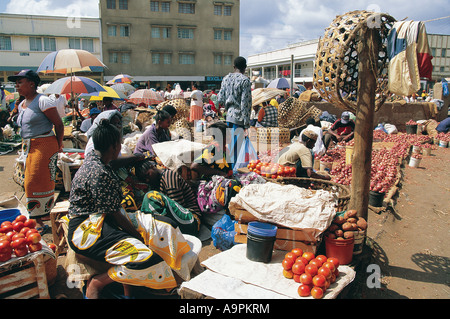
[42, 230]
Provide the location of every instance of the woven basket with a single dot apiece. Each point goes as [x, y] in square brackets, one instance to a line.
[336, 68]
[180, 105]
[269, 135]
[316, 184]
[290, 112]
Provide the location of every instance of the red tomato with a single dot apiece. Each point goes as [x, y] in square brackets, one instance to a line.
[317, 292]
[297, 251]
[319, 280]
[17, 226]
[326, 272]
[6, 228]
[17, 235]
[306, 279]
[308, 255]
[287, 263]
[330, 266]
[5, 257]
[6, 223]
[297, 278]
[334, 260]
[311, 269]
[34, 238]
[5, 247]
[290, 255]
[52, 246]
[303, 260]
[30, 231]
[30, 223]
[304, 290]
[286, 273]
[298, 268]
[20, 252]
[333, 278]
[24, 230]
[10, 234]
[316, 262]
[336, 272]
[322, 258]
[21, 218]
[19, 243]
[35, 247]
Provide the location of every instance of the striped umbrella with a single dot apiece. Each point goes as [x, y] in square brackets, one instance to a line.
[74, 84]
[121, 78]
[70, 61]
[146, 96]
[125, 88]
[110, 92]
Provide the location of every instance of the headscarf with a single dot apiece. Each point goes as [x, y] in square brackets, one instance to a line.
[274, 102]
[103, 115]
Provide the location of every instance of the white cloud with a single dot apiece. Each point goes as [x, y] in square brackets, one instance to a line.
[70, 8]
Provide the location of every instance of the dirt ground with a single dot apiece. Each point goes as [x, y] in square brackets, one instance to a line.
[407, 244]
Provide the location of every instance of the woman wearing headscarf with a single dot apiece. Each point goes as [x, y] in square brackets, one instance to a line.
[42, 132]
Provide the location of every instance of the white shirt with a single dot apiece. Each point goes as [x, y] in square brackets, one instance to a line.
[197, 98]
[61, 103]
[319, 148]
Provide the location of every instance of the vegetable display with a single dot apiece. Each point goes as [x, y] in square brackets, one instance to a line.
[344, 226]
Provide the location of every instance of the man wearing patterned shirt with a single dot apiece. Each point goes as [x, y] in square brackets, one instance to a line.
[236, 96]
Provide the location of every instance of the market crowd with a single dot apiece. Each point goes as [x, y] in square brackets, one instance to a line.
[131, 211]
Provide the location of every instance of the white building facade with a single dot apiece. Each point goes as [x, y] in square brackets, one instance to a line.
[25, 40]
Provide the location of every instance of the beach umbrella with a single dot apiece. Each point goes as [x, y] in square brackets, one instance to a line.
[264, 94]
[121, 78]
[125, 88]
[12, 96]
[74, 84]
[280, 83]
[146, 96]
[41, 89]
[109, 92]
[68, 61]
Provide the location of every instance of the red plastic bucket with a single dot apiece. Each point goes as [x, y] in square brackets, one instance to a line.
[340, 249]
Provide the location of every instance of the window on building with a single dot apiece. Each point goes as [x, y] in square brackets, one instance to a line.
[154, 6]
[88, 45]
[49, 44]
[74, 43]
[217, 34]
[35, 44]
[165, 6]
[217, 10]
[124, 31]
[123, 4]
[217, 59]
[227, 59]
[113, 57]
[433, 51]
[185, 33]
[444, 53]
[112, 30]
[167, 58]
[186, 8]
[126, 58]
[186, 58]
[156, 58]
[165, 32]
[227, 35]
[155, 33]
[5, 43]
[442, 69]
[227, 10]
[111, 4]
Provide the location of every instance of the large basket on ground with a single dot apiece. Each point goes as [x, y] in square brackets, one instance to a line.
[180, 122]
[272, 135]
[316, 184]
[336, 68]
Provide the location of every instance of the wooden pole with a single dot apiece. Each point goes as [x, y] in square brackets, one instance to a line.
[362, 151]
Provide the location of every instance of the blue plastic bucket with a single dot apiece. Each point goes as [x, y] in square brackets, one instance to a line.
[260, 240]
[9, 214]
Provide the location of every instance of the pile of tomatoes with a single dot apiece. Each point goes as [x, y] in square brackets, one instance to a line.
[314, 273]
[18, 238]
[271, 170]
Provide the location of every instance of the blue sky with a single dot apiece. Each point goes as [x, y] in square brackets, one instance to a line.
[267, 24]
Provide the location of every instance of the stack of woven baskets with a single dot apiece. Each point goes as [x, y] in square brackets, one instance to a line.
[293, 113]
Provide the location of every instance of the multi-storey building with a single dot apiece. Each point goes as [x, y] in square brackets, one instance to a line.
[25, 40]
[162, 42]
